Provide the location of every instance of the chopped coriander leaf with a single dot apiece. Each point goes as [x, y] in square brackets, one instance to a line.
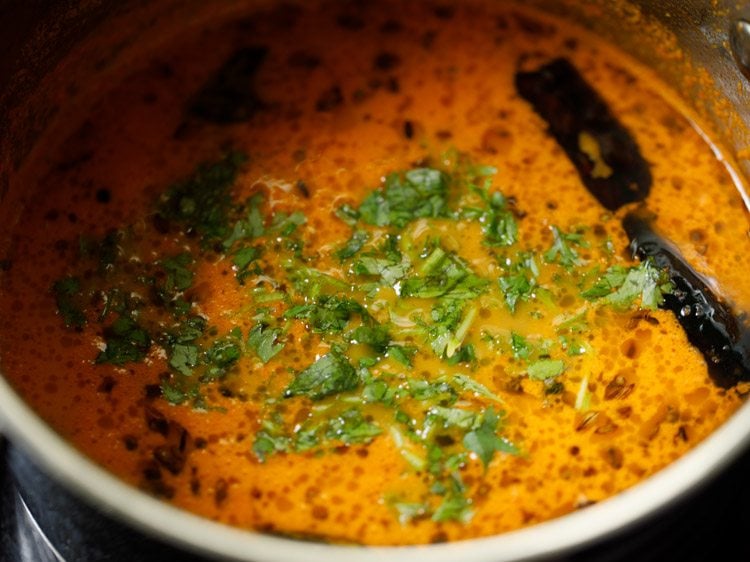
[520, 346]
[621, 287]
[408, 511]
[611, 280]
[450, 326]
[576, 324]
[455, 507]
[498, 224]
[348, 214]
[286, 224]
[562, 250]
[545, 369]
[202, 201]
[447, 276]
[402, 354]
[262, 339]
[329, 314]
[221, 356]
[183, 358]
[484, 440]
[407, 449]
[353, 245]
[376, 336]
[331, 374]
[417, 193]
[125, 342]
[454, 417]
[312, 283]
[375, 391]
[67, 293]
[188, 330]
[179, 278]
[514, 288]
[352, 427]
[266, 444]
[389, 271]
[242, 259]
[252, 226]
[172, 393]
[468, 383]
[520, 282]
[463, 354]
[439, 391]
[573, 346]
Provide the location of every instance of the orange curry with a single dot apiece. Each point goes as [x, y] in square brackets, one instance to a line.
[332, 278]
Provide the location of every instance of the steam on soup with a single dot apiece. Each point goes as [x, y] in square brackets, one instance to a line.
[360, 272]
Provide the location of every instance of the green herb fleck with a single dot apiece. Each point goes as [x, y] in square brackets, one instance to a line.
[67, 295]
[263, 340]
[545, 369]
[331, 374]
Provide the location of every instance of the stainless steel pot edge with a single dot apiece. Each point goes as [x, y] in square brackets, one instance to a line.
[550, 539]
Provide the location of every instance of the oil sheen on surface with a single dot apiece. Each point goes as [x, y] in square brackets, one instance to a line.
[569, 400]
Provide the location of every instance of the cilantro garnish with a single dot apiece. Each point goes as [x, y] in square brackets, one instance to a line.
[417, 193]
[484, 440]
[264, 341]
[388, 270]
[353, 245]
[562, 250]
[444, 275]
[622, 287]
[67, 294]
[125, 342]
[331, 374]
[202, 201]
[498, 223]
[401, 361]
[545, 369]
[520, 282]
[178, 276]
[184, 358]
[328, 314]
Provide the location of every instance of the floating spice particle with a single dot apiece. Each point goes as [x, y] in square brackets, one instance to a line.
[152, 391]
[614, 457]
[320, 512]
[151, 471]
[107, 384]
[221, 491]
[170, 458]
[386, 61]
[618, 388]
[156, 421]
[130, 442]
[681, 435]
[330, 99]
[408, 129]
[303, 188]
[586, 420]
[103, 195]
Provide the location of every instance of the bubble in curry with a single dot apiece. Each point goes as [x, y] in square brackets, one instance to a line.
[381, 276]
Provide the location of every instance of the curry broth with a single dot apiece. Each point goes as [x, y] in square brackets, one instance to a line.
[356, 94]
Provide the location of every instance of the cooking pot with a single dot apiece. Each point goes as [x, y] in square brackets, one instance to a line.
[54, 54]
